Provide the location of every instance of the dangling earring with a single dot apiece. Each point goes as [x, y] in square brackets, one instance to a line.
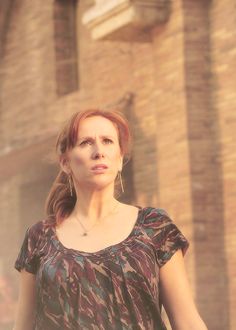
[121, 183]
[70, 184]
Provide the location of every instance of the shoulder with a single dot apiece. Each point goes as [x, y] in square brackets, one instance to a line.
[151, 213]
[156, 216]
[38, 229]
[165, 235]
[155, 221]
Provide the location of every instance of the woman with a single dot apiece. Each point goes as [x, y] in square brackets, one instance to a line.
[94, 262]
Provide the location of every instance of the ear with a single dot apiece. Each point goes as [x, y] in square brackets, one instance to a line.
[64, 164]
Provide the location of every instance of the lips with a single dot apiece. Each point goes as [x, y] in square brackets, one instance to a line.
[99, 166]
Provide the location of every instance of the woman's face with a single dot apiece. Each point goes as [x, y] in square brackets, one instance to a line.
[97, 143]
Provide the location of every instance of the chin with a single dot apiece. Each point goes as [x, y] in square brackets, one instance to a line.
[101, 185]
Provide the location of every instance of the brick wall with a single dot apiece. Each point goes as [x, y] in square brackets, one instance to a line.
[177, 91]
[223, 52]
[172, 163]
[205, 166]
[27, 68]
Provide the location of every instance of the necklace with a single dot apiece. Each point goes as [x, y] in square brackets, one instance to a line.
[85, 233]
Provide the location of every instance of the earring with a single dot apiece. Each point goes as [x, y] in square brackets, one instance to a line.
[121, 183]
[70, 184]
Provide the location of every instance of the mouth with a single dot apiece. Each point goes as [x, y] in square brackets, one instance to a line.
[99, 170]
[99, 167]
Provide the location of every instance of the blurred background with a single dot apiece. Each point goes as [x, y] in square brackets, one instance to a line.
[170, 67]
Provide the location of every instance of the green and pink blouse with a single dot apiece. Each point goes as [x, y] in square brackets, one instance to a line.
[116, 288]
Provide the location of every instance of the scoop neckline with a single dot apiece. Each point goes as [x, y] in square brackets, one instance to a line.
[104, 251]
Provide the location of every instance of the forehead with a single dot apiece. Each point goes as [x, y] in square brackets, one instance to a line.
[97, 125]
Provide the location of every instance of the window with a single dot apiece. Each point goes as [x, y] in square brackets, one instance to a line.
[65, 46]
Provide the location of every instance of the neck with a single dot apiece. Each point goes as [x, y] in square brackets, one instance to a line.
[94, 205]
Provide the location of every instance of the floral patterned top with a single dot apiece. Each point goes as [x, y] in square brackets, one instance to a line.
[116, 288]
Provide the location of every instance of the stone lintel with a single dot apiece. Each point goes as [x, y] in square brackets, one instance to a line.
[125, 20]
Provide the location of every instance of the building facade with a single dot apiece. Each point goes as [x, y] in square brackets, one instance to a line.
[170, 66]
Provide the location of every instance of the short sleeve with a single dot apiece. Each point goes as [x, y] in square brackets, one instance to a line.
[28, 257]
[166, 237]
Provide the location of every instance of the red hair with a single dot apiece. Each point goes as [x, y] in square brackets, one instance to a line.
[59, 203]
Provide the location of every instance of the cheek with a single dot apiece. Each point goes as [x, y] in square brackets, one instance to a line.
[115, 162]
[77, 160]
[114, 154]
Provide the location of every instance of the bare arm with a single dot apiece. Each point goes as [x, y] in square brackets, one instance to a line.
[26, 302]
[176, 295]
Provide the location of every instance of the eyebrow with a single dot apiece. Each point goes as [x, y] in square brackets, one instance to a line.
[101, 136]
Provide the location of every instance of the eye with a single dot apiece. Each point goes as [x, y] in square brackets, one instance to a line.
[85, 142]
[108, 140]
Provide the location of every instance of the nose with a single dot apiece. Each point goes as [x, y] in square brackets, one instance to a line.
[98, 152]
[98, 155]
